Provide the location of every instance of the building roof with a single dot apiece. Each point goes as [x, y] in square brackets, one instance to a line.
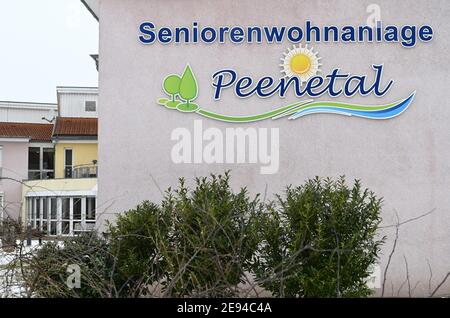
[76, 90]
[96, 59]
[35, 132]
[92, 6]
[75, 127]
[27, 105]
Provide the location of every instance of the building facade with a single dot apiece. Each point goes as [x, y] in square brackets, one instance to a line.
[66, 204]
[26, 150]
[48, 160]
[36, 113]
[227, 57]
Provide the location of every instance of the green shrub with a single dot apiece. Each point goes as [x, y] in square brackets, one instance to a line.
[139, 238]
[214, 237]
[198, 242]
[319, 240]
[46, 272]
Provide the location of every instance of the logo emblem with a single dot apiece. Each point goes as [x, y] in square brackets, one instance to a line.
[300, 66]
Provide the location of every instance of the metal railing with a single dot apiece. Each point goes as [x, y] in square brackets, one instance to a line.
[82, 171]
[41, 174]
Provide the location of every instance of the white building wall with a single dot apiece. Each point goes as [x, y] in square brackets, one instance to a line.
[72, 102]
[14, 112]
[405, 160]
[14, 167]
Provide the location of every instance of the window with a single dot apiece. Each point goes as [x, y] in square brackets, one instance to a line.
[61, 216]
[91, 106]
[65, 212]
[38, 214]
[34, 154]
[29, 209]
[41, 163]
[90, 213]
[53, 217]
[48, 159]
[77, 224]
[1, 161]
[76, 208]
[45, 216]
[34, 166]
[33, 213]
[68, 162]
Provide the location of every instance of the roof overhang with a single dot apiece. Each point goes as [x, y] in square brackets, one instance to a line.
[93, 6]
[76, 139]
[81, 193]
[27, 105]
[76, 90]
[14, 139]
[95, 58]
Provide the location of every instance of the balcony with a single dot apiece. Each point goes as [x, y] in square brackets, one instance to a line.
[81, 172]
[41, 174]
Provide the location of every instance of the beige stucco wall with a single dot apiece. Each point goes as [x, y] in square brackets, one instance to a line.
[405, 160]
[83, 154]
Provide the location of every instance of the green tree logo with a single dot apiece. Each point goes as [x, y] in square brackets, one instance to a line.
[188, 90]
[172, 87]
[184, 87]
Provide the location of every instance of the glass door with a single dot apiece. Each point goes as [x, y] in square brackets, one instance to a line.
[68, 162]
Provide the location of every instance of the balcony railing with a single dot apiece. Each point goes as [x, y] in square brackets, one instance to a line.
[81, 172]
[41, 174]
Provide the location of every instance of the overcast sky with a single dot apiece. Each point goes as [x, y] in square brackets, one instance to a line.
[44, 44]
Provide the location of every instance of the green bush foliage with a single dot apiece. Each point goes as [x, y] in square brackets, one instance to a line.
[139, 239]
[316, 240]
[214, 237]
[198, 243]
[319, 240]
[46, 273]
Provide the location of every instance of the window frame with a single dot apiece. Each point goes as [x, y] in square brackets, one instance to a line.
[37, 222]
[41, 172]
[53, 220]
[34, 170]
[65, 163]
[94, 106]
[1, 163]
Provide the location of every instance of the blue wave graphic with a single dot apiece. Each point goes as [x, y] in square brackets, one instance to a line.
[390, 112]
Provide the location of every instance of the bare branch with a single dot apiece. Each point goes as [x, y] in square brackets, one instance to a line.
[431, 276]
[407, 276]
[440, 285]
[397, 229]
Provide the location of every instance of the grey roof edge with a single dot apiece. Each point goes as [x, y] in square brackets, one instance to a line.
[90, 10]
[27, 103]
[74, 137]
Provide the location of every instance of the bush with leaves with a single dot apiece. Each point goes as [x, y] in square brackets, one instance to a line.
[139, 241]
[319, 240]
[46, 272]
[214, 237]
[198, 242]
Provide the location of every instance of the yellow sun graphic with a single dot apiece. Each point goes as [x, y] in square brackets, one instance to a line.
[301, 62]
